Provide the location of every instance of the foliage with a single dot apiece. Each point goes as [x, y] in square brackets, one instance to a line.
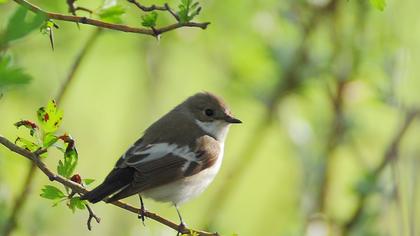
[77, 203]
[43, 136]
[127, 83]
[188, 9]
[20, 24]
[11, 75]
[51, 192]
[378, 4]
[112, 13]
[149, 20]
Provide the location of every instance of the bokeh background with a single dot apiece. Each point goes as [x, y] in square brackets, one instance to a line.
[323, 87]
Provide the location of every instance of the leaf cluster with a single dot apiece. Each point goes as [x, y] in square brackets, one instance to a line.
[10, 74]
[149, 20]
[43, 135]
[188, 9]
[111, 13]
[378, 4]
[20, 24]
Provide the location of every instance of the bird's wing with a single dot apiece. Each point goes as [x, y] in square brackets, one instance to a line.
[162, 163]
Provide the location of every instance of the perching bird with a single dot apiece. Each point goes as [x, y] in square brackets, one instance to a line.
[176, 159]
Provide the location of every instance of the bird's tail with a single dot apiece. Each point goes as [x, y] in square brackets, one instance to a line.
[100, 192]
[115, 181]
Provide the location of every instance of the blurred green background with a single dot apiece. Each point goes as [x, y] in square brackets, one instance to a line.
[322, 86]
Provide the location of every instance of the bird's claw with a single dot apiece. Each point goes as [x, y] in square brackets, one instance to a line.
[142, 215]
[181, 228]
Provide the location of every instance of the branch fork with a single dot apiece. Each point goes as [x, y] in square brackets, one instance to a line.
[118, 27]
[79, 189]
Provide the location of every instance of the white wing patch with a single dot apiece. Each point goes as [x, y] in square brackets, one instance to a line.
[160, 150]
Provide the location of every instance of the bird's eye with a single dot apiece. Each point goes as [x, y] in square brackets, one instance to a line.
[209, 112]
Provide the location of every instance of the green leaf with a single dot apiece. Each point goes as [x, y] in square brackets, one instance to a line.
[112, 13]
[367, 184]
[149, 20]
[20, 24]
[66, 168]
[88, 181]
[50, 117]
[378, 4]
[61, 170]
[51, 192]
[11, 75]
[3, 1]
[188, 10]
[76, 203]
[28, 145]
[70, 160]
[46, 27]
[29, 125]
[49, 140]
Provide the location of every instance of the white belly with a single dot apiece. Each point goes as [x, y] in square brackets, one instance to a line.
[186, 188]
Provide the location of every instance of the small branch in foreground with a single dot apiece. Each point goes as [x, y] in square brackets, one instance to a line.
[144, 8]
[154, 7]
[102, 24]
[24, 194]
[77, 188]
[92, 215]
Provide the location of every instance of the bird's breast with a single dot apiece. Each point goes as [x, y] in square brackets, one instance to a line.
[186, 188]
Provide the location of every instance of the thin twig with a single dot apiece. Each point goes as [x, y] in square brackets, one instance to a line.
[102, 24]
[92, 215]
[172, 12]
[153, 7]
[343, 75]
[23, 195]
[73, 8]
[144, 8]
[77, 188]
[390, 155]
[335, 135]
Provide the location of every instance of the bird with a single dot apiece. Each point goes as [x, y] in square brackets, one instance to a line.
[177, 157]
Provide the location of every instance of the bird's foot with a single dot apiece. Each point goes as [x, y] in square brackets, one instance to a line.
[142, 214]
[181, 228]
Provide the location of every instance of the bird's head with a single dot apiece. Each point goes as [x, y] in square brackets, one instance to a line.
[210, 113]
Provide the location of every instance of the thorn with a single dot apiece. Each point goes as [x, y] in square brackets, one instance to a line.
[52, 177]
[55, 25]
[51, 36]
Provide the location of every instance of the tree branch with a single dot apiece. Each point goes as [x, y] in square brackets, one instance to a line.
[335, 135]
[23, 195]
[77, 188]
[154, 7]
[102, 24]
[92, 215]
[144, 8]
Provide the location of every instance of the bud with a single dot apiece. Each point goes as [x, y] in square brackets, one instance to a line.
[76, 178]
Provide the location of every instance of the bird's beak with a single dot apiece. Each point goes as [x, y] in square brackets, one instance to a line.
[232, 120]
